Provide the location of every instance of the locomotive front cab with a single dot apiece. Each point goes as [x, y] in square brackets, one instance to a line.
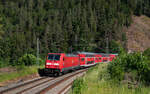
[54, 62]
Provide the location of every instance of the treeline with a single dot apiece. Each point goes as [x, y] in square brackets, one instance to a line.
[65, 25]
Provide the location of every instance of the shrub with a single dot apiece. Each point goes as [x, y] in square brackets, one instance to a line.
[147, 53]
[78, 85]
[28, 60]
[3, 63]
[114, 47]
[134, 65]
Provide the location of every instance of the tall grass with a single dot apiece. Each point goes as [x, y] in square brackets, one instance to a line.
[98, 81]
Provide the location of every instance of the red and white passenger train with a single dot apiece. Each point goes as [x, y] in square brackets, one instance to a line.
[57, 63]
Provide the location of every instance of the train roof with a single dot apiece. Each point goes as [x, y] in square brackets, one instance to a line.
[105, 54]
[55, 53]
[87, 53]
[71, 55]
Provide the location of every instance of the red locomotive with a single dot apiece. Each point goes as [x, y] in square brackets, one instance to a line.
[57, 63]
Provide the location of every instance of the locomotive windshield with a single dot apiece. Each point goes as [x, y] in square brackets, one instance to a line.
[53, 57]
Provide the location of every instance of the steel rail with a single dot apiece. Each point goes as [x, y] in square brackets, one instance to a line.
[61, 92]
[21, 85]
[43, 91]
[29, 88]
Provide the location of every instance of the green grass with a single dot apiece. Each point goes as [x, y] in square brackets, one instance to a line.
[2, 64]
[21, 71]
[97, 81]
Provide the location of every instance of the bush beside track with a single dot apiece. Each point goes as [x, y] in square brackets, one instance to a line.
[134, 68]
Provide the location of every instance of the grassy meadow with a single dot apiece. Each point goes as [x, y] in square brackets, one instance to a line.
[98, 81]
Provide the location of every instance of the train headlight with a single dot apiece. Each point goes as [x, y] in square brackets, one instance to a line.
[56, 64]
[48, 63]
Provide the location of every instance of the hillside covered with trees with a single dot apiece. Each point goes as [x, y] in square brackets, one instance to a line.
[65, 25]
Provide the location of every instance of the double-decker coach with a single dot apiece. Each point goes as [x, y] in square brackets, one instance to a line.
[98, 58]
[107, 57]
[87, 59]
[104, 57]
[112, 56]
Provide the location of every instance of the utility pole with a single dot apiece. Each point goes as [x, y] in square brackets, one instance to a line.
[37, 54]
[107, 41]
[71, 48]
[76, 41]
[107, 45]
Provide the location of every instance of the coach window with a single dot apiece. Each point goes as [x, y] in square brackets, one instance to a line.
[82, 59]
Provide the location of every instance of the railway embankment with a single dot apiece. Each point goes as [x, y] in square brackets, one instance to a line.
[98, 82]
[128, 74]
[44, 85]
[20, 74]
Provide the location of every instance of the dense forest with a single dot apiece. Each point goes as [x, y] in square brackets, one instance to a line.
[65, 25]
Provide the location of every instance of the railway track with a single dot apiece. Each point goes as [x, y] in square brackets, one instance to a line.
[65, 89]
[25, 86]
[45, 85]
